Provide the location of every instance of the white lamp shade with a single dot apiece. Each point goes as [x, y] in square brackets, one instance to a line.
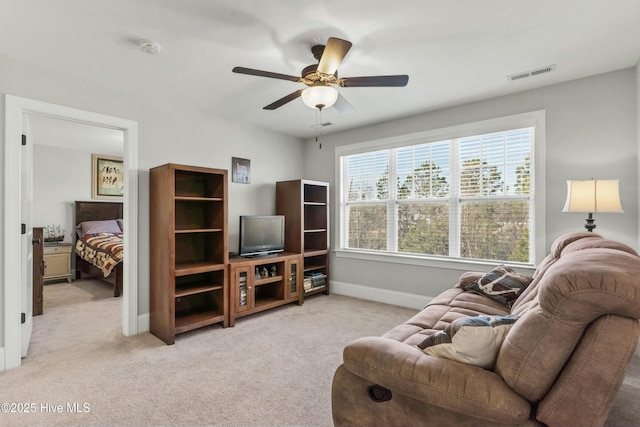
[593, 196]
[320, 96]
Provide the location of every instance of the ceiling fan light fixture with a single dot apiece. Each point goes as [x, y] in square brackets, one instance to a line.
[319, 96]
[320, 77]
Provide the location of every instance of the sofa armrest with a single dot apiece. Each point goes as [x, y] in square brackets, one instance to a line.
[441, 382]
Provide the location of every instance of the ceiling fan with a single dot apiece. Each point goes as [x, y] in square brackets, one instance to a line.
[322, 76]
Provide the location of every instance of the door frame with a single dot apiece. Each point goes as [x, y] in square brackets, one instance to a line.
[15, 107]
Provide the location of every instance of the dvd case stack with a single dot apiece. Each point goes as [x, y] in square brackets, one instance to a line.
[243, 290]
[314, 280]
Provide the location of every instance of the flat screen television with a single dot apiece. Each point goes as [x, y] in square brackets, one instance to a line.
[261, 235]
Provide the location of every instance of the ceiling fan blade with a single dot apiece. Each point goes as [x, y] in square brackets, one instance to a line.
[342, 106]
[334, 52]
[260, 73]
[375, 81]
[280, 102]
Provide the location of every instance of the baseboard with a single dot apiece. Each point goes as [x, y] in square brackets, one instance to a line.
[143, 323]
[2, 361]
[386, 296]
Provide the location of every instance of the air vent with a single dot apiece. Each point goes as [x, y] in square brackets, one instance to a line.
[321, 125]
[531, 73]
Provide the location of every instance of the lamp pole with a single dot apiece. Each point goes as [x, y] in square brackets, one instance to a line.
[591, 222]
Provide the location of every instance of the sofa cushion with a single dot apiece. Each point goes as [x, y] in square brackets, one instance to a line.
[452, 304]
[472, 340]
[502, 284]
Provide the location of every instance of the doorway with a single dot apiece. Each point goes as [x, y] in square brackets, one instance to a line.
[14, 279]
[64, 152]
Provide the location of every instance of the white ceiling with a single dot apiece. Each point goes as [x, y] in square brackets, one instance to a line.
[454, 51]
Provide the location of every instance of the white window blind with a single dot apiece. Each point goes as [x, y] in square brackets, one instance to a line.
[367, 190]
[469, 197]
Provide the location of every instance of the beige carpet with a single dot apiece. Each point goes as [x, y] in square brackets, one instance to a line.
[271, 369]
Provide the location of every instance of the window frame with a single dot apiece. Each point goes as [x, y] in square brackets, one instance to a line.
[535, 119]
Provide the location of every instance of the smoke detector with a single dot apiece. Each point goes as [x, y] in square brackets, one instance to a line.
[150, 47]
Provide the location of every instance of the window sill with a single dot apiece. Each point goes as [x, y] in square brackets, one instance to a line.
[433, 262]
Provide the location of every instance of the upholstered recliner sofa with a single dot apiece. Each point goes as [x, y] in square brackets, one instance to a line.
[560, 364]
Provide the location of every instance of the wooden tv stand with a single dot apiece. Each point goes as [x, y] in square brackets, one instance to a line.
[261, 283]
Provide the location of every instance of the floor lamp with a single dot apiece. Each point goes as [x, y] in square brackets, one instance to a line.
[594, 195]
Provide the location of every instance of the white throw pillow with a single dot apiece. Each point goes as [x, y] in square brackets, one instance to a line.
[472, 340]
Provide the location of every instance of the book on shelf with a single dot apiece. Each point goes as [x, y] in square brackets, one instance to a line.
[314, 280]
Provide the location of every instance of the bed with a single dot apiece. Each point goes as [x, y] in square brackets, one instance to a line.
[88, 213]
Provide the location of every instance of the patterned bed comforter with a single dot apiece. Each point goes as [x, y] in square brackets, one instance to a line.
[103, 250]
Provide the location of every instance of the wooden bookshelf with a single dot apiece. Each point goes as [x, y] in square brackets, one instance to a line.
[189, 249]
[305, 205]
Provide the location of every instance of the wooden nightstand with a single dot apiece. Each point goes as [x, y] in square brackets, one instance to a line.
[57, 261]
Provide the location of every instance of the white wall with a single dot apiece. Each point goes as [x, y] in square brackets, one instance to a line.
[168, 132]
[591, 132]
[56, 186]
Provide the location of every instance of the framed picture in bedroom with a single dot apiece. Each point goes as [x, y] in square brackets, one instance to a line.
[107, 177]
[240, 170]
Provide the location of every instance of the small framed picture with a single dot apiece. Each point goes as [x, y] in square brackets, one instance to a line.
[240, 170]
[107, 177]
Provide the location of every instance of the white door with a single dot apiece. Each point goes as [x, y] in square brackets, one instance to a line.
[26, 254]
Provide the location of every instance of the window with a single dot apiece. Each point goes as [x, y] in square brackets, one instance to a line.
[470, 197]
